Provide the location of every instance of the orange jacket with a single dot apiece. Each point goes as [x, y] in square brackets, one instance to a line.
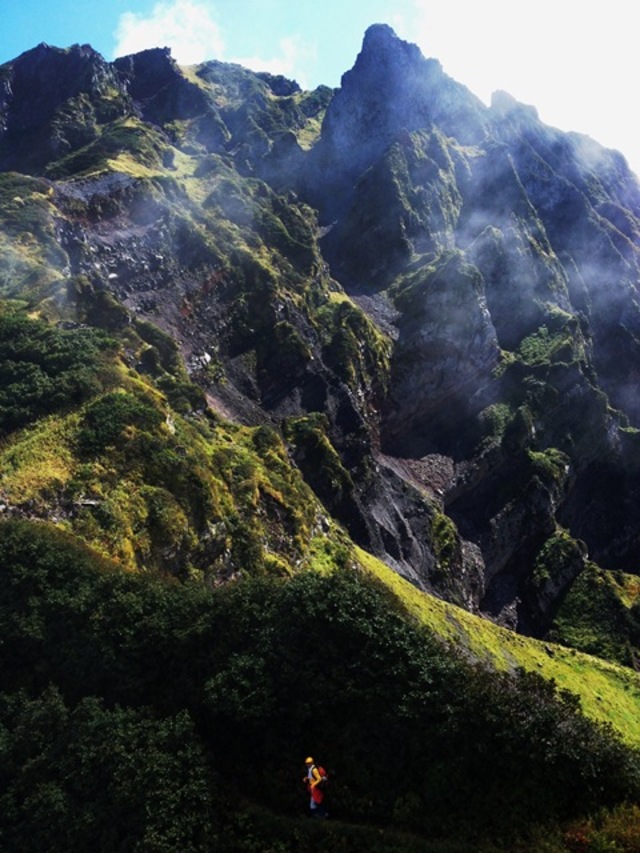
[313, 779]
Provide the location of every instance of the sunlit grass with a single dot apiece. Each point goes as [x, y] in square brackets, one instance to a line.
[39, 462]
[608, 693]
[310, 133]
[627, 587]
[128, 165]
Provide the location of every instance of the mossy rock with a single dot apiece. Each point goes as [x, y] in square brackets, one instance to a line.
[594, 619]
[320, 462]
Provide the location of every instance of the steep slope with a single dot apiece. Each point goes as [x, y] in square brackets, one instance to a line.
[135, 711]
[432, 301]
[608, 692]
[509, 253]
[174, 221]
[248, 331]
[133, 463]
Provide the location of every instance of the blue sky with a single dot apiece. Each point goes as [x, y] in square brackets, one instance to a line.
[577, 62]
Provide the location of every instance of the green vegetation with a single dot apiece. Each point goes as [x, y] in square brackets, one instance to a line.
[617, 831]
[493, 421]
[551, 465]
[106, 778]
[608, 693]
[319, 461]
[107, 420]
[126, 144]
[257, 107]
[557, 554]
[164, 714]
[355, 348]
[559, 339]
[101, 447]
[446, 544]
[235, 503]
[313, 105]
[544, 347]
[45, 370]
[30, 255]
[538, 376]
[24, 205]
[594, 619]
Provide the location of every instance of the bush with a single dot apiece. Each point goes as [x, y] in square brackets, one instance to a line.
[617, 830]
[106, 421]
[269, 671]
[593, 619]
[330, 665]
[93, 778]
[45, 369]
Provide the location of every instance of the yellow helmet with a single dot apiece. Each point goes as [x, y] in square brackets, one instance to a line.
[308, 761]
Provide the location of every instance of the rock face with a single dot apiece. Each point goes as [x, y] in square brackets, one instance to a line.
[156, 85]
[435, 303]
[391, 91]
[446, 351]
[52, 102]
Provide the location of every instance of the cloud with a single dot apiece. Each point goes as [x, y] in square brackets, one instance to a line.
[293, 57]
[188, 27]
[578, 70]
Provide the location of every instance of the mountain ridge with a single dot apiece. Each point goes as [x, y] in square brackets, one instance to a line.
[247, 331]
[452, 241]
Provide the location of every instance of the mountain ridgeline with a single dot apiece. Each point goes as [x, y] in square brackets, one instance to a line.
[246, 328]
[434, 302]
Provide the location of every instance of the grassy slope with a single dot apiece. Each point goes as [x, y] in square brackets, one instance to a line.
[608, 693]
[43, 461]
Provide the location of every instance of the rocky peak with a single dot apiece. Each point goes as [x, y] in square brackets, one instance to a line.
[50, 101]
[392, 89]
[148, 71]
[45, 77]
[280, 85]
[158, 87]
[383, 49]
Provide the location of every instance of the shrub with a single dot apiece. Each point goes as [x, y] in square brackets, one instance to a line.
[593, 619]
[45, 369]
[93, 778]
[271, 671]
[107, 419]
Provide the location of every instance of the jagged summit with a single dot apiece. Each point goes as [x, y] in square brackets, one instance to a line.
[392, 88]
[36, 92]
[379, 35]
[44, 49]
[148, 71]
[381, 41]
[390, 64]
[463, 325]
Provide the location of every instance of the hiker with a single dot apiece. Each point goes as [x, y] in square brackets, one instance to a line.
[314, 780]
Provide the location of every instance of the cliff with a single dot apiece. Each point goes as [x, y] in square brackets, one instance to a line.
[432, 304]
